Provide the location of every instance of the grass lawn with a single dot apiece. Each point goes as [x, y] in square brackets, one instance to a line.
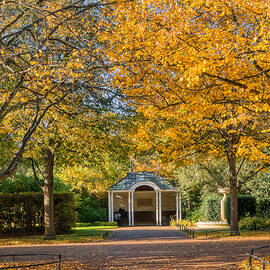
[82, 233]
[87, 228]
[224, 231]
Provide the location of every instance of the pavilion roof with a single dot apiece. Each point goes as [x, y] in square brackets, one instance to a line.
[135, 177]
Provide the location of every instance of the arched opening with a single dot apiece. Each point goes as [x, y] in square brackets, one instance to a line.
[145, 205]
[144, 188]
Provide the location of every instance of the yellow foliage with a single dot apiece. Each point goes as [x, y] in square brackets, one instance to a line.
[41, 70]
[198, 70]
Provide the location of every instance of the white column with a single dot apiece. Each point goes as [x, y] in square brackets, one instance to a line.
[222, 207]
[109, 205]
[160, 223]
[177, 211]
[129, 210]
[225, 192]
[157, 207]
[112, 206]
[180, 206]
[132, 208]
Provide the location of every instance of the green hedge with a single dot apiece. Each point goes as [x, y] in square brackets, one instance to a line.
[104, 223]
[92, 214]
[211, 207]
[64, 212]
[263, 207]
[246, 207]
[254, 223]
[22, 213]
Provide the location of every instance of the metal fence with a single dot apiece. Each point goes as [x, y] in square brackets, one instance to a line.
[253, 257]
[53, 259]
[194, 232]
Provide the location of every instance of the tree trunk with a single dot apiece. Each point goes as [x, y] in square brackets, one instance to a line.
[48, 194]
[233, 194]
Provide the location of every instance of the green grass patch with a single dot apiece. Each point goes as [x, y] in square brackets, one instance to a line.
[80, 234]
[91, 229]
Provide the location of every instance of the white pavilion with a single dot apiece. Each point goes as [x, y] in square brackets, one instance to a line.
[144, 198]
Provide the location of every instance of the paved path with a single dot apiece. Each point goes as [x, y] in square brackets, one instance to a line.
[159, 249]
[147, 232]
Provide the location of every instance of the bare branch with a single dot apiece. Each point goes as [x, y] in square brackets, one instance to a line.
[225, 80]
[14, 162]
[265, 72]
[35, 174]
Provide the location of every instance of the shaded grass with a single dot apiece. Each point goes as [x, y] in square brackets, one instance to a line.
[255, 233]
[80, 234]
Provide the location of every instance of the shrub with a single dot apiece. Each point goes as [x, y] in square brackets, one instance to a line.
[92, 214]
[89, 208]
[254, 223]
[18, 184]
[246, 206]
[182, 222]
[194, 215]
[22, 213]
[211, 207]
[263, 207]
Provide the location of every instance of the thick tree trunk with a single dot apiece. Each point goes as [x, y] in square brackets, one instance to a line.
[233, 194]
[48, 194]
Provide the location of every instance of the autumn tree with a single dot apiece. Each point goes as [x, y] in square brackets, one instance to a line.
[103, 158]
[199, 71]
[46, 59]
[87, 151]
[52, 73]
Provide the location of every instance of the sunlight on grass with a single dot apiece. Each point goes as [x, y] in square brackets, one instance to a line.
[80, 234]
[83, 230]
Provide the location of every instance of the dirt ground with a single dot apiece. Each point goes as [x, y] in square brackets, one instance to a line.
[152, 248]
